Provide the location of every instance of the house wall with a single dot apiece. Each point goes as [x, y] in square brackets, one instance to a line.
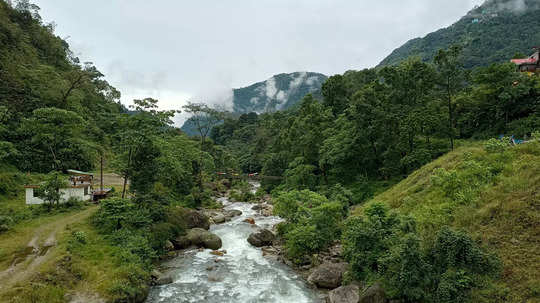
[66, 193]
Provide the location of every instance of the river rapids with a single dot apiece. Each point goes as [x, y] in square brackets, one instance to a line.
[241, 275]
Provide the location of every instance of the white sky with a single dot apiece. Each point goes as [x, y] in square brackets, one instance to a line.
[176, 50]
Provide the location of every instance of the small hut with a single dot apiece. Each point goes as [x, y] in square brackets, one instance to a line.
[530, 64]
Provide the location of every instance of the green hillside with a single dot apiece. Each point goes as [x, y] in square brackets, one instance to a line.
[491, 33]
[491, 195]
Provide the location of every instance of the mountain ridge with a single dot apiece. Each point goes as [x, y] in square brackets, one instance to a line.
[491, 33]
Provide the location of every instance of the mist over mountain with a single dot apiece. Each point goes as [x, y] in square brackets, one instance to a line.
[493, 32]
[279, 92]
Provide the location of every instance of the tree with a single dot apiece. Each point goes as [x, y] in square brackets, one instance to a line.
[56, 135]
[138, 132]
[205, 118]
[451, 78]
[50, 189]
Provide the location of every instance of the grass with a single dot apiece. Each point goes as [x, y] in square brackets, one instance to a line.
[501, 211]
[67, 269]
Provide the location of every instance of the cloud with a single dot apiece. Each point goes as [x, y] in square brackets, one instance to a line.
[202, 49]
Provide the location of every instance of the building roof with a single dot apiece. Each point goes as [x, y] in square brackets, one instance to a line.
[78, 172]
[525, 61]
[71, 185]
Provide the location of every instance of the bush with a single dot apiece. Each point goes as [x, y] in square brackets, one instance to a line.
[384, 246]
[117, 213]
[496, 145]
[301, 242]
[292, 205]
[10, 183]
[5, 223]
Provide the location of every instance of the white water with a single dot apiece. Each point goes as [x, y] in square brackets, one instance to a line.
[241, 275]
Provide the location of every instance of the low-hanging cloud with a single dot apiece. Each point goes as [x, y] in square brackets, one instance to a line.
[199, 50]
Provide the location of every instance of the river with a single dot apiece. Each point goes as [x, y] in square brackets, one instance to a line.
[241, 275]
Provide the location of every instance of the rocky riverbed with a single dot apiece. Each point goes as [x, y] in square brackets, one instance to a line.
[237, 271]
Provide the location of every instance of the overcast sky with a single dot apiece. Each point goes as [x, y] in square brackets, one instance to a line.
[175, 50]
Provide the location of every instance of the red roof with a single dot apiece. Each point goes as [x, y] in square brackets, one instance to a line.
[524, 61]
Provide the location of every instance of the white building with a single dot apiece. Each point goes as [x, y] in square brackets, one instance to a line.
[80, 187]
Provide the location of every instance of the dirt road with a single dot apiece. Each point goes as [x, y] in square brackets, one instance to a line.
[40, 247]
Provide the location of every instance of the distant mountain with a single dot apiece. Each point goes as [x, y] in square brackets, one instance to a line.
[280, 92]
[277, 93]
[493, 32]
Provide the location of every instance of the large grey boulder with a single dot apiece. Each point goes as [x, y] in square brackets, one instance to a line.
[233, 213]
[196, 219]
[263, 237]
[345, 294]
[211, 241]
[328, 275]
[374, 294]
[219, 218]
[181, 242]
[203, 238]
[164, 280]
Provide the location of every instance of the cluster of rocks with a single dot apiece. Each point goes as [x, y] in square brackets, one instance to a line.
[264, 209]
[330, 276]
[222, 216]
[327, 276]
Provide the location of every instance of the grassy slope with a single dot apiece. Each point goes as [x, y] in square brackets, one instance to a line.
[504, 214]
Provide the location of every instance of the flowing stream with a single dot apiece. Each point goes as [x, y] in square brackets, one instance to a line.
[241, 275]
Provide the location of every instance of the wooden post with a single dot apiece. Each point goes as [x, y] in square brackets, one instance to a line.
[101, 175]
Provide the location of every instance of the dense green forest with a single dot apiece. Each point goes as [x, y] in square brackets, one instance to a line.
[494, 32]
[402, 165]
[373, 128]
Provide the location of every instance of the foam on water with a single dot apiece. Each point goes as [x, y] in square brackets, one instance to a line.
[241, 275]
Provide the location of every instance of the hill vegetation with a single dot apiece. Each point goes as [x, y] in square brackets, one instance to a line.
[494, 32]
[435, 236]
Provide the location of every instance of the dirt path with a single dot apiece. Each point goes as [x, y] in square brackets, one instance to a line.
[39, 249]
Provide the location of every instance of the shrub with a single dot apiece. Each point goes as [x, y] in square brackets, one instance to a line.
[292, 205]
[496, 145]
[366, 239]
[302, 241]
[116, 213]
[5, 223]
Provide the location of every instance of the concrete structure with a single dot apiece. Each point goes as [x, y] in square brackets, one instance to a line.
[80, 187]
[81, 192]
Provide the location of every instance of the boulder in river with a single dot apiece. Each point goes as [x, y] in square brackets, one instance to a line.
[164, 280]
[250, 221]
[374, 294]
[219, 218]
[260, 238]
[233, 213]
[328, 275]
[196, 219]
[345, 294]
[169, 245]
[203, 238]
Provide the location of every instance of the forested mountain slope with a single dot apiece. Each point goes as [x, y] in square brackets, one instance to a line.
[491, 33]
[42, 84]
[280, 92]
[277, 93]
